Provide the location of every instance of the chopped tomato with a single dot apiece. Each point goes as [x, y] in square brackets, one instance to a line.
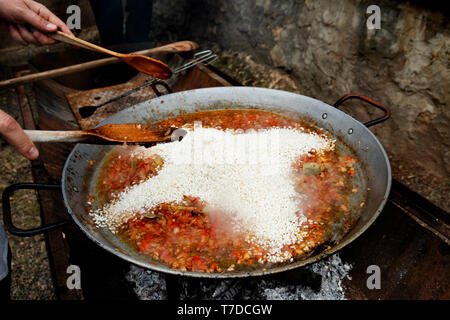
[198, 264]
[145, 243]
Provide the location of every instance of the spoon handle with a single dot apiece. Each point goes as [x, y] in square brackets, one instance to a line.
[56, 136]
[60, 36]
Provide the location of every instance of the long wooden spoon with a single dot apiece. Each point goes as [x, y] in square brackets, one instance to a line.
[123, 133]
[141, 63]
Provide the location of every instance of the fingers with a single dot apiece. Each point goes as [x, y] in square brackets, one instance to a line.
[39, 17]
[61, 25]
[21, 34]
[42, 38]
[44, 13]
[27, 35]
[15, 34]
[15, 136]
[38, 22]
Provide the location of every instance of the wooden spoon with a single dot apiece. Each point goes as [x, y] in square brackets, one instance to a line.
[141, 63]
[124, 133]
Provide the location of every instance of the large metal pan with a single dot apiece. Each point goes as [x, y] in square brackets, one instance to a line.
[374, 171]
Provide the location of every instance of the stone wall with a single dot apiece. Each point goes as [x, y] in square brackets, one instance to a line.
[323, 49]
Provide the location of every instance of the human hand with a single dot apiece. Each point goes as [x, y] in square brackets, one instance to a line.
[21, 12]
[11, 131]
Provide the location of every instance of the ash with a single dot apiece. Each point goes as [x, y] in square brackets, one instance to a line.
[319, 281]
[149, 285]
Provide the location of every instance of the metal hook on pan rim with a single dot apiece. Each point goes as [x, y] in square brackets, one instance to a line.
[206, 57]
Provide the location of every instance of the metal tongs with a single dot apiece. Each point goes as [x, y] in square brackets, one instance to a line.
[205, 57]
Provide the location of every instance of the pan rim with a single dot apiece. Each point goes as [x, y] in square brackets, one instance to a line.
[240, 274]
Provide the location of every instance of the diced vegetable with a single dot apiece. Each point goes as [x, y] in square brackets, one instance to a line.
[151, 215]
[158, 160]
[311, 168]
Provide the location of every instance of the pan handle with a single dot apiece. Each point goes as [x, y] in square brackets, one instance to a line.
[387, 112]
[7, 218]
[156, 83]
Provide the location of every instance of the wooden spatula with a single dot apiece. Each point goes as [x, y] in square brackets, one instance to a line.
[119, 133]
[141, 63]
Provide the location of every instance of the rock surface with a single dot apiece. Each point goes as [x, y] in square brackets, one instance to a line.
[323, 49]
